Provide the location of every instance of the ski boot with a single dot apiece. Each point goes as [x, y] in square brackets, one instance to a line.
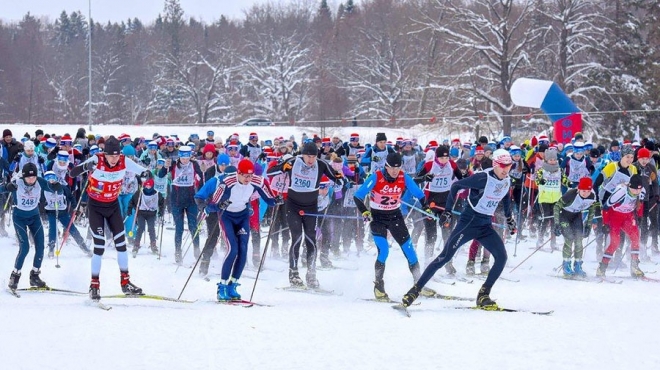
[51, 250]
[483, 298]
[223, 292]
[153, 247]
[13, 280]
[256, 260]
[231, 291]
[568, 270]
[602, 268]
[411, 296]
[325, 261]
[127, 287]
[379, 291]
[35, 280]
[204, 267]
[312, 281]
[469, 268]
[294, 278]
[178, 258]
[95, 290]
[635, 271]
[451, 270]
[577, 268]
[485, 266]
[135, 250]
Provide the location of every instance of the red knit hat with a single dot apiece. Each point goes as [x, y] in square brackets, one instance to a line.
[149, 183]
[245, 167]
[585, 184]
[643, 153]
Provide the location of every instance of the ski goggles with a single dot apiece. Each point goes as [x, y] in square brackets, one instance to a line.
[194, 136]
[355, 139]
[254, 137]
[326, 145]
[210, 133]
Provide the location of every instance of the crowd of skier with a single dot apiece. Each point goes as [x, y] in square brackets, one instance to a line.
[327, 196]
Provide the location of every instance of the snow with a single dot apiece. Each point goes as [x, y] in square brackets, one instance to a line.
[605, 326]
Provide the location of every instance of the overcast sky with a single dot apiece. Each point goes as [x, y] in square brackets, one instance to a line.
[121, 10]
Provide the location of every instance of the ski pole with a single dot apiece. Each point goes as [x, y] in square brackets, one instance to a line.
[65, 235]
[160, 242]
[535, 250]
[320, 215]
[192, 241]
[198, 258]
[515, 247]
[137, 209]
[276, 233]
[429, 215]
[270, 231]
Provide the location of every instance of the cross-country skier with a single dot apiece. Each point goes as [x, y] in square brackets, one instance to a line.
[26, 190]
[487, 190]
[230, 195]
[107, 172]
[385, 187]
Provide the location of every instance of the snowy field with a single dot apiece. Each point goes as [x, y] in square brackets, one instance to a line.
[594, 326]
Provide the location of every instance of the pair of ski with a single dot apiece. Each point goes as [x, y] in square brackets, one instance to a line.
[306, 289]
[588, 279]
[434, 296]
[16, 292]
[242, 303]
[99, 304]
[404, 310]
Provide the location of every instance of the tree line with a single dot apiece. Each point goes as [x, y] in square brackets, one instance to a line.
[442, 63]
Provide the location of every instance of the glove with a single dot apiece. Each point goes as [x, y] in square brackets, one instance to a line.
[287, 166]
[558, 230]
[586, 232]
[366, 216]
[201, 203]
[541, 181]
[262, 156]
[15, 177]
[511, 225]
[145, 175]
[605, 229]
[445, 219]
[41, 160]
[279, 200]
[338, 175]
[17, 158]
[11, 186]
[224, 204]
[428, 177]
[146, 161]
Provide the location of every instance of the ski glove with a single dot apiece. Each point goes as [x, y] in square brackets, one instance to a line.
[558, 230]
[287, 166]
[511, 225]
[366, 216]
[41, 160]
[605, 229]
[279, 200]
[224, 204]
[445, 219]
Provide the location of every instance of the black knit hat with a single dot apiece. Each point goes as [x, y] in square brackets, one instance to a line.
[442, 151]
[614, 143]
[381, 137]
[30, 169]
[112, 146]
[394, 160]
[635, 182]
[309, 149]
[6, 132]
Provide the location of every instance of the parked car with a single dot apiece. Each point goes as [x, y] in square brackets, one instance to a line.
[257, 122]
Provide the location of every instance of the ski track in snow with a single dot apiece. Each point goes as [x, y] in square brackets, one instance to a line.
[604, 326]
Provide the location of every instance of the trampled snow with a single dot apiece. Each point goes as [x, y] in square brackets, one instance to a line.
[594, 326]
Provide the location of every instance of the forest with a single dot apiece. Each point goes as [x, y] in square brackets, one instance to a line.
[443, 63]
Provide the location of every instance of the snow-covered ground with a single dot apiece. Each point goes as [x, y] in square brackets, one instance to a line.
[594, 326]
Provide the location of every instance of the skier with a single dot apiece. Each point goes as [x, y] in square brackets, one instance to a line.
[304, 172]
[230, 195]
[568, 222]
[548, 179]
[487, 190]
[26, 190]
[620, 212]
[149, 203]
[385, 187]
[107, 172]
[58, 208]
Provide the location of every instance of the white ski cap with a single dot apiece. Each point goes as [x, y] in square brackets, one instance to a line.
[502, 157]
